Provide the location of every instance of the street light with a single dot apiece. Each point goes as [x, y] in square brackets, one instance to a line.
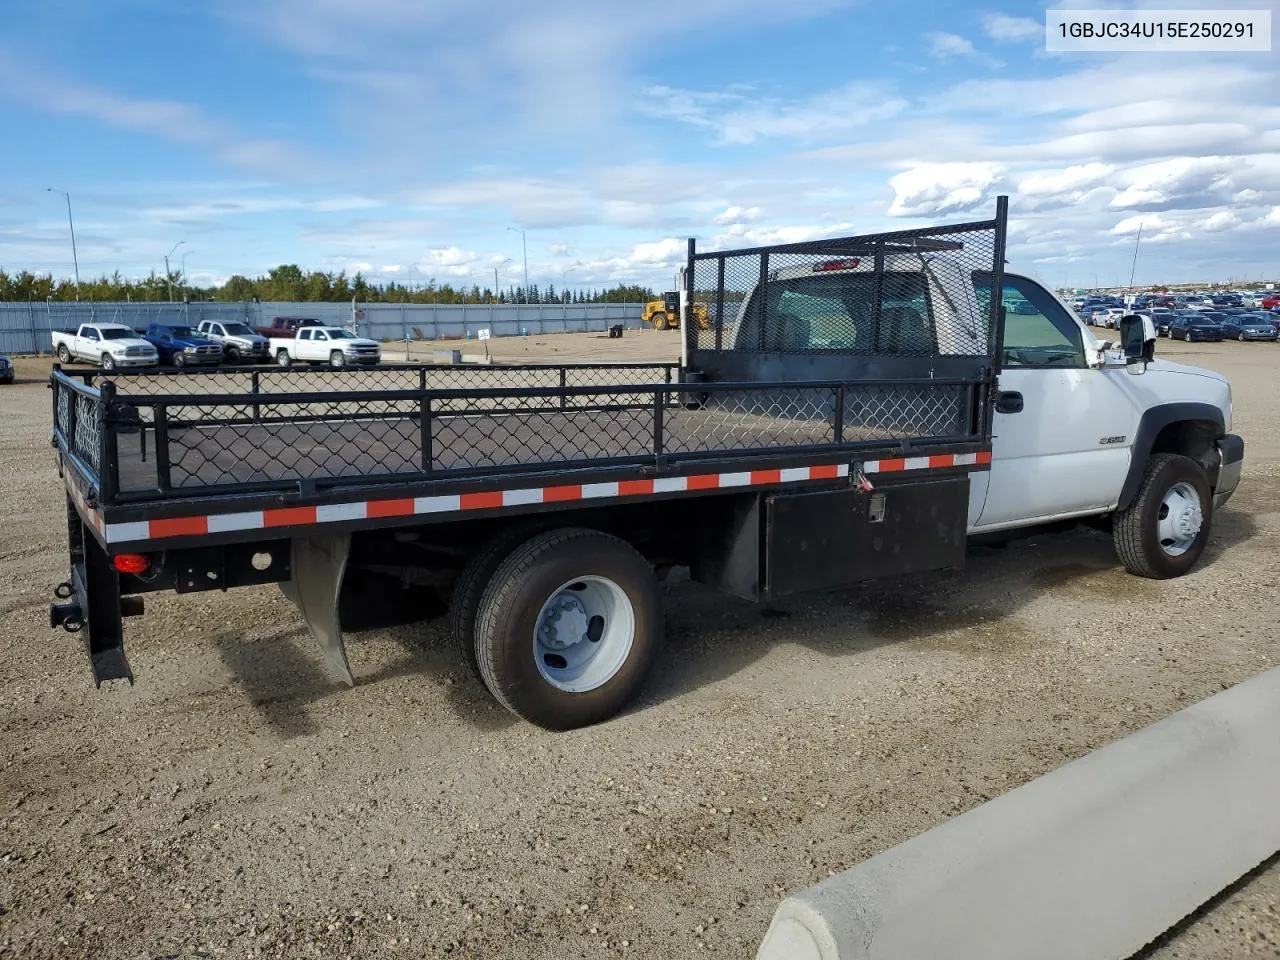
[183, 270]
[168, 276]
[564, 283]
[524, 246]
[75, 260]
[495, 276]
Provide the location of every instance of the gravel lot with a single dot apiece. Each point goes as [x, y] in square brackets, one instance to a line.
[236, 803]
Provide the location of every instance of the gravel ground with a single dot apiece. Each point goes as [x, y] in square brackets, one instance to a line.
[236, 803]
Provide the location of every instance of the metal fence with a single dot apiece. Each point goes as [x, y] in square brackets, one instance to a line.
[25, 327]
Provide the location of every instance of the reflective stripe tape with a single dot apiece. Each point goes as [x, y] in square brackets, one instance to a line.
[143, 530]
[943, 461]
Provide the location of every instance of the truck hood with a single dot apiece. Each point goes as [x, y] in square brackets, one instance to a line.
[125, 342]
[257, 340]
[1168, 366]
[194, 342]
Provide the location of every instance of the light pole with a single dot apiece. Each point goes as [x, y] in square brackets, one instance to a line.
[168, 277]
[524, 246]
[183, 261]
[495, 276]
[75, 260]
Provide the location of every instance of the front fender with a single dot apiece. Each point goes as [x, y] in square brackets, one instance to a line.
[1154, 420]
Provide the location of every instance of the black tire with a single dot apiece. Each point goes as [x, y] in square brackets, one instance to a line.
[108, 363]
[179, 361]
[64, 355]
[337, 359]
[283, 360]
[233, 356]
[1135, 529]
[522, 584]
[468, 589]
[659, 321]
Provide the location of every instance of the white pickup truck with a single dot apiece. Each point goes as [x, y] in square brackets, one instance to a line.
[332, 345]
[110, 344]
[1081, 431]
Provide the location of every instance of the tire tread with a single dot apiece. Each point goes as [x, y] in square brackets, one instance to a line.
[1128, 529]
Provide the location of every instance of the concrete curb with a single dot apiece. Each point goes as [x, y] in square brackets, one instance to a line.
[1092, 860]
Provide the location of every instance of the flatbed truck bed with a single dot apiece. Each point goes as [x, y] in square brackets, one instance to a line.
[385, 494]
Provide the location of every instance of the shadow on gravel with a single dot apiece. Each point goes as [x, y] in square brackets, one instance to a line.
[970, 610]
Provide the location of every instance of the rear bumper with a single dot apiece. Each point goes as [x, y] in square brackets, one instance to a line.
[1230, 465]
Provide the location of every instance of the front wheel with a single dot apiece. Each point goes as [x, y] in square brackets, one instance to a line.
[233, 355]
[568, 628]
[64, 355]
[179, 361]
[283, 360]
[337, 359]
[659, 321]
[108, 363]
[1164, 531]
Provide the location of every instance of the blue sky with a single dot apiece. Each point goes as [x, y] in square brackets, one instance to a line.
[402, 137]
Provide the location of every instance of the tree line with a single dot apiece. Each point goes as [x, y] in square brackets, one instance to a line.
[288, 282]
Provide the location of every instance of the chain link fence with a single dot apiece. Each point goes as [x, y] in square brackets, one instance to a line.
[25, 327]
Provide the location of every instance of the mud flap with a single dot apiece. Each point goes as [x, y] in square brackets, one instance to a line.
[318, 565]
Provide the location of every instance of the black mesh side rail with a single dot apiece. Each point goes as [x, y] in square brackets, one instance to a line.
[893, 302]
[223, 444]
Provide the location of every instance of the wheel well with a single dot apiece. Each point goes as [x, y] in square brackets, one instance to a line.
[1191, 438]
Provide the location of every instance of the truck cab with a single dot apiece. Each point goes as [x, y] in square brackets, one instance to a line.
[180, 346]
[1077, 427]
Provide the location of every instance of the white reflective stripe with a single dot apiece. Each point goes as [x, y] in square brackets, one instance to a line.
[916, 463]
[334, 512]
[871, 466]
[124, 532]
[227, 522]
[437, 504]
[590, 490]
[735, 480]
[794, 473]
[670, 484]
[516, 498]
[842, 470]
[965, 459]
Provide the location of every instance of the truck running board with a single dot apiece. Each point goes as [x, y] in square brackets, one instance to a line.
[319, 562]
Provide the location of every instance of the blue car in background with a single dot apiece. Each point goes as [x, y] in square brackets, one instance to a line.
[6, 369]
[1195, 327]
[179, 346]
[1249, 326]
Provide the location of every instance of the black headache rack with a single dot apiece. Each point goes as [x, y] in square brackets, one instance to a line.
[886, 306]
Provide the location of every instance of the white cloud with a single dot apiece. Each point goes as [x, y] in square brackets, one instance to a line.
[740, 117]
[736, 215]
[391, 268]
[450, 257]
[1069, 181]
[1006, 29]
[942, 188]
[945, 45]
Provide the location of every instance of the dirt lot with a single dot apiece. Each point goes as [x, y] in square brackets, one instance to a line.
[236, 803]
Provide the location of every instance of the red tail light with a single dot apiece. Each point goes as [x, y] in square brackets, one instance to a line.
[131, 563]
[836, 265]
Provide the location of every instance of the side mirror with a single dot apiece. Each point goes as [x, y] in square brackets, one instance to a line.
[1138, 338]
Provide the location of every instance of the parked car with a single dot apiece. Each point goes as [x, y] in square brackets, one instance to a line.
[286, 326]
[1271, 301]
[6, 369]
[331, 345]
[110, 344]
[239, 343]
[1250, 326]
[1108, 317]
[1192, 328]
[180, 346]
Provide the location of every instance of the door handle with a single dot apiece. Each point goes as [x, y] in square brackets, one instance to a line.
[1009, 401]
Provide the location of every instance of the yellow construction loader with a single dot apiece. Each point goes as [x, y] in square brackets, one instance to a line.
[664, 314]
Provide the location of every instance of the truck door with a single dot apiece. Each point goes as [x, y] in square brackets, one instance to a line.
[1062, 429]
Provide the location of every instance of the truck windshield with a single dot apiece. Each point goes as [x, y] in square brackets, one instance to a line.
[237, 330]
[109, 334]
[175, 332]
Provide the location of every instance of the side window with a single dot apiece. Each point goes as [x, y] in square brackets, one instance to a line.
[91, 334]
[1038, 332]
[304, 334]
[217, 328]
[321, 335]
